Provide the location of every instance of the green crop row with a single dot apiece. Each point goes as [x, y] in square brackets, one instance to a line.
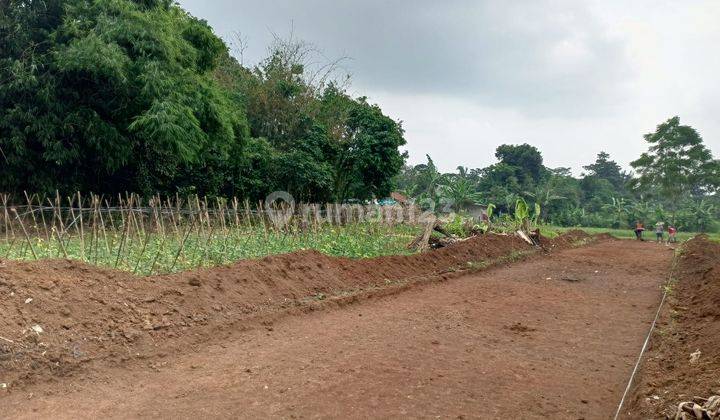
[153, 253]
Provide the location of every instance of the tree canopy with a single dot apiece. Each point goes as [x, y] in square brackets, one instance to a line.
[604, 196]
[109, 96]
[525, 161]
[121, 95]
[677, 163]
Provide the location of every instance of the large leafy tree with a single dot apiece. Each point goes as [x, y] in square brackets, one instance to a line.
[526, 160]
[306, 170]
[326, 144]
[109, 95]
[677, 164]
[609, 170]
[366, 146]
[137, 95]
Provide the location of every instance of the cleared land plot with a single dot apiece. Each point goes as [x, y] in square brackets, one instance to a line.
[554, 336]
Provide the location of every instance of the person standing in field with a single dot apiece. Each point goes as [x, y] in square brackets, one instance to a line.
[672, 234]
[660, 231]
[639, 229]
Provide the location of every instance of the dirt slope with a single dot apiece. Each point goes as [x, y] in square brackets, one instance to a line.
[58, 316]
[690, 323]
[555, 336]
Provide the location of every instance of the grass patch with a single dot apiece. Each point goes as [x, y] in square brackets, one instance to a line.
[553, 231]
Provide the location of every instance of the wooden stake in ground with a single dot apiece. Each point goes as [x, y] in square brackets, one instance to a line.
[182, 244]
[6, 218]
[27, 237]
[42, 216]
[60, 241]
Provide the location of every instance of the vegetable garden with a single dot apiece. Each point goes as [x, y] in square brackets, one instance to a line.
[161, 236]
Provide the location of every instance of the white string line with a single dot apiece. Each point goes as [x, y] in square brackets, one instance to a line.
[642, 352]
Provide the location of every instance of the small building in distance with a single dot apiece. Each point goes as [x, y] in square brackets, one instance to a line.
[478, 212]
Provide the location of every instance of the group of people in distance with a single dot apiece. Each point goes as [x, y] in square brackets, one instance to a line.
[659, 232]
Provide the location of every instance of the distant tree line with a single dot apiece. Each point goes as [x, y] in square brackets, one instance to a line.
[676, 181]
[111, 96]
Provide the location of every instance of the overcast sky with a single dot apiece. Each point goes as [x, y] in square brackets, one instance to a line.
[570, 77]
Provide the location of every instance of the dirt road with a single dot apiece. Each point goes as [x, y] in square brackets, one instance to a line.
[551, 337]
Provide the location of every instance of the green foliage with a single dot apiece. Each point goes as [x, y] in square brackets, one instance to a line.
[619, 211]
[607, 170]
[677, 163]
[700, 214]
[604, 196]
[421, 182]
[154, 253]
[366, 147]
[121, 95]
[490, 210]
[522, 215]
[459, 226]
[524, 160]
[546, 194]
[537, 214]
[118, 97]
[458, 192]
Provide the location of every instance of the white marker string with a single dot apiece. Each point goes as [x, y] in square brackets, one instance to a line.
[642, 352]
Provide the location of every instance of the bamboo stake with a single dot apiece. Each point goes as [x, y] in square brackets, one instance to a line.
[8, 223]
[82, 228]
[235, 211]
[11, 246]
[42, 215]
[157, 255]
[32, 213]
[60, 241]
[71, 200]
[55, 217]
[126, 227]
[102, 226]
[207, 245]
[27, 237]
[142, 252]
[182, 244]
[172, 217]
[95, 238]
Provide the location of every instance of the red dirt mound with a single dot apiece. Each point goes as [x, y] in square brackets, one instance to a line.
[570, 238]
[59, 315]
[690, 324]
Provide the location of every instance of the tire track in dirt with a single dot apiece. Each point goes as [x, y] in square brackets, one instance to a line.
[550, 337]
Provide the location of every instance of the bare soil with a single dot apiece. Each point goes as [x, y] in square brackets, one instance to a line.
[305, 335]
[690, 323]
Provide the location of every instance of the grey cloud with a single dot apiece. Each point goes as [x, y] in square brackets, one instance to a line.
[572, 77]
[538, 57]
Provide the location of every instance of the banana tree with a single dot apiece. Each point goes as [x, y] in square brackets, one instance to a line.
[523, 217]
[619, 210]
[458, 192]
[544, 195]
